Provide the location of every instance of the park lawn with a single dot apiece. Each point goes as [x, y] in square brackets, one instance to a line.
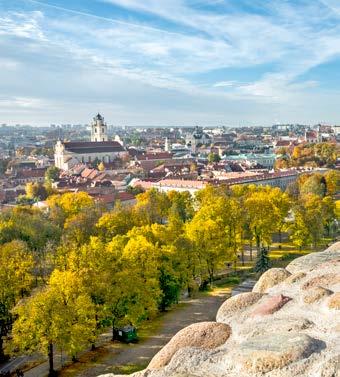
[127, 369]
[281, 256]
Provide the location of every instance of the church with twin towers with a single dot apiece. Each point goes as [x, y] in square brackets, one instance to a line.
[100, 148]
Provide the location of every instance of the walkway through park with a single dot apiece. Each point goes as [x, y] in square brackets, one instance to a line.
[114, 356]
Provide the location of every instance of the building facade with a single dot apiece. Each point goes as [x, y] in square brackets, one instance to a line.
[98, 129]
[69, 154]
[196, 139]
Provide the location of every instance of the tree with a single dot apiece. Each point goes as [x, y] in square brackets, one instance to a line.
[315, 184]
[293, 190]
[36, 191]
[52, 174]
[281, 203]
[15, 282]
[332, 178]
[263, 218]
[118, 221]
[133, 291]
[206, 231]
[328, 213]
[3, 165]
[61, 315]
[170, 281]
[33, 227]
[299, 233]
[314, 217]
[262, 261]
[213, 157]
[181, 205]
[101, 166]
[80, 227]
[152, 207]
[69, 204]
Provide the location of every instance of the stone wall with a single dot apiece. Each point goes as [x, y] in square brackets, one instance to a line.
[289, 326]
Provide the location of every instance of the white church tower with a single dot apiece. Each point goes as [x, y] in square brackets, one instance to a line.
[99, 129]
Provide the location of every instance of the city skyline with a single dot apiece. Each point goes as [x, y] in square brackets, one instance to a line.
[170, 62]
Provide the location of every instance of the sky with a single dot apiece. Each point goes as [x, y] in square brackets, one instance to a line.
[170, 62]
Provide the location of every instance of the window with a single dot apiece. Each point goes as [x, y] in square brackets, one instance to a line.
[102, 129]
[95, 130]
[103, 139]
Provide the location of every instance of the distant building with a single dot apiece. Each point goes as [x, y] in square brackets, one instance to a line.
[267, 160]
[276, 179]
[336, 130]
[196, 139]
[99, 129]
[69, 154]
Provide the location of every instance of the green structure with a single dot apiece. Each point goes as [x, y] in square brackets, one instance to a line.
[126, 334]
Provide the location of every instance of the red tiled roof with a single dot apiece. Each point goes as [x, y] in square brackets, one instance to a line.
[93, 147]
[283, 143]
[31, 173]
[155, 156]
[86, 172]
[111, 198]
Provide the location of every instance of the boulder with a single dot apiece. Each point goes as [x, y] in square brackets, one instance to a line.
[265, 353]
[294, 278]
[310, 261]
[252, 329]
[316, 294]
[270, 305]
[331, 367]
[334, 301]
[270, 278]
[205, 335]
[236, 304]
[325, 280]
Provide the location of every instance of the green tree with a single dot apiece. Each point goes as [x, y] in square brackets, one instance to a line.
[36, 191]
[262, 261]
[181, 205]
[213, 158]
[52, 174]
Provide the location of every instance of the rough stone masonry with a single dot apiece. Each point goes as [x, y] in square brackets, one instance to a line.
[289, 326]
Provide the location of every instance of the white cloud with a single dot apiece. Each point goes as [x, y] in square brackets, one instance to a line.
[91, 59]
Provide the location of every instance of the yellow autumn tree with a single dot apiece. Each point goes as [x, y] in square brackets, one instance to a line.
[60, 316]
[15, 282]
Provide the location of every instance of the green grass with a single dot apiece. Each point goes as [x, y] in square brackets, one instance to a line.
[126, 369]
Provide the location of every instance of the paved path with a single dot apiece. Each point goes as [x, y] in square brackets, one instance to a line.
[195, 310]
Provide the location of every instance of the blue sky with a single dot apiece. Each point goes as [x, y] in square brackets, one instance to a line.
[170, 62]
